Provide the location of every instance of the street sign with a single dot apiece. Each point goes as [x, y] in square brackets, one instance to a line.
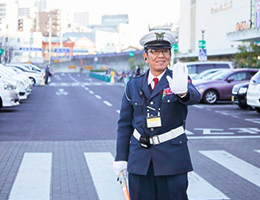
[61, 50]
[202, 54]
[131, 54]
[175, 47]
[1, 51]
[29, 49]
[202, 44]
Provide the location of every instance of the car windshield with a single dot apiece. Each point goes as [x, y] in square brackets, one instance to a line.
[221, 75]
[256, 77]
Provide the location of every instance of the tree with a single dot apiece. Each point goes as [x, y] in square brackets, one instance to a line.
[248, 56]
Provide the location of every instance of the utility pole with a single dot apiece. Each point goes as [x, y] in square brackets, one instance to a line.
[50, 38]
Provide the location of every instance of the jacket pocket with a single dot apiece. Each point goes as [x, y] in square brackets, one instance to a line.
[169, 99]
[138, 106]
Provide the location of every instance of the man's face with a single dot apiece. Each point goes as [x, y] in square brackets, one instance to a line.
[158, 60]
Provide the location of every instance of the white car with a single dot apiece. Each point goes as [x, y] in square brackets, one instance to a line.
[253, 92]
[36, 77]
[9, 95]
[195, 68]
[23, 93]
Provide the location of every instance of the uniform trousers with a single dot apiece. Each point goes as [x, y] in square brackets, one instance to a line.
[150, 187]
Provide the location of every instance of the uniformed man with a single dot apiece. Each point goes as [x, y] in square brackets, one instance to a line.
[151, 140]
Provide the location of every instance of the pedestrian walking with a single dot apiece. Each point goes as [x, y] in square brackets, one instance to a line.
[47, 74]
[151, 141]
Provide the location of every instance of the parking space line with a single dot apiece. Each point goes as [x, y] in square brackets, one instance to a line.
[97, 96]
[104, 178]
[107, 103]
[236, 165]
[34, 177]
[91, 92]
[201, 189]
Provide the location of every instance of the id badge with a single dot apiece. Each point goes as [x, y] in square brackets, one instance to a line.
[154, 121]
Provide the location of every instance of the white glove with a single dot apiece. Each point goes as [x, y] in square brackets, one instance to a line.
[179, 81]
[120, 166]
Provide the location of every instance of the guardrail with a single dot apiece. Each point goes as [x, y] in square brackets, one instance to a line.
[100, 76]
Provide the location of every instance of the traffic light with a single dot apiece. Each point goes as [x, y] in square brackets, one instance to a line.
[20, 24]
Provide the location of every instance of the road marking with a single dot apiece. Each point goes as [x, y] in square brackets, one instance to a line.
[225, 137]
[118, 111]
[73, 78]
[34, 178]
[208, 131]
[91, 92]
[247, 130]
[61, 92]
[198, 106]
[104, 178]
[188, 132]
[201, 189]
[257, 121]
[97, 83]
[236, 165]
[258, 151]
[86, 88]
[107, 103]
[97, 96]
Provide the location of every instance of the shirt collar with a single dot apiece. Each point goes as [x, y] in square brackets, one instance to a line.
[150, 77]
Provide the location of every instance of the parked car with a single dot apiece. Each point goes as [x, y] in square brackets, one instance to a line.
[195, 68]
[253, 92]
[20, 84]
[36, 77]
[220, 86]
[239, 92]
[206, 73]
[8, 94]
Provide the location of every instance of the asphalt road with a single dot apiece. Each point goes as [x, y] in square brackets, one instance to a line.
[76, 114]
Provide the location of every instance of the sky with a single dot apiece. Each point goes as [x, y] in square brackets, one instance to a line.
[139, 11]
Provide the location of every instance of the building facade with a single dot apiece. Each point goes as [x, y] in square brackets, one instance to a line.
[213, 21]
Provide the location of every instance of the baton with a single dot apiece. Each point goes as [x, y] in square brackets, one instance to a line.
[123, 183]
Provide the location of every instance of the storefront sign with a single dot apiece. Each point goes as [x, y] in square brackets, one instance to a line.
[221, 6]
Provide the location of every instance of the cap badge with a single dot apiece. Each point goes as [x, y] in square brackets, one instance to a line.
[159, 36]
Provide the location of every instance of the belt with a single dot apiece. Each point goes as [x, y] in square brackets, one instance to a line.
[158, 139]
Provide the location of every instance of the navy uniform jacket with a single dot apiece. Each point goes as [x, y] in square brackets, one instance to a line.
[169, 158]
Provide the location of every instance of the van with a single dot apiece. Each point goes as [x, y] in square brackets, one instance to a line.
[195, 68]
[253, 92]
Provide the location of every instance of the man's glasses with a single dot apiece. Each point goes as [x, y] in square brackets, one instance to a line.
[156, 52]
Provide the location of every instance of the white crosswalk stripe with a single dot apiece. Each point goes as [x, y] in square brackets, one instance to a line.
[34, 178]
[100, 166]
[201, 189]
[236, 165]
[59, 84]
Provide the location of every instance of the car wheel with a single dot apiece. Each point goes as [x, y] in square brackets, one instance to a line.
[33, 80]
[210, 97]
[257, 109]
[243, 106]
[1, 103]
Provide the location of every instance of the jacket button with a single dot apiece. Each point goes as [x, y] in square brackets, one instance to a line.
[151, 102]
[152, 129]
[180, 142]
[168, 100]
[136, 104]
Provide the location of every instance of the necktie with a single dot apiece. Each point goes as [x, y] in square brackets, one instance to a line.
[155, 80]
